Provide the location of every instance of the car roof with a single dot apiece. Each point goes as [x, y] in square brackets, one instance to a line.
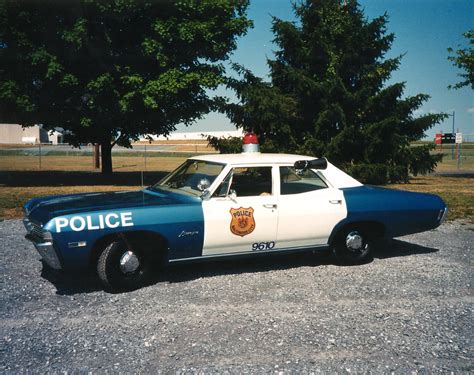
[253, 158]
[334, 175]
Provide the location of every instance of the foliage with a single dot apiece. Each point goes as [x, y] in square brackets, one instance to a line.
[329, 96]
[229, 145]
[110, 71]
[464, 60]
[375, 174]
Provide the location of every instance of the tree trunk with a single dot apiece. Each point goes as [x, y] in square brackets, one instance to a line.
[106, 156]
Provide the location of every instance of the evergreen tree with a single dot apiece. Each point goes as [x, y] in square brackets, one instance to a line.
[328, 95]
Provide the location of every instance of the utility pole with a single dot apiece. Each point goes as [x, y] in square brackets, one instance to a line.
[454, 134]
[452, 148]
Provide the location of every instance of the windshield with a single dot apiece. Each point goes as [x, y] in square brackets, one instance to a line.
[193, 177]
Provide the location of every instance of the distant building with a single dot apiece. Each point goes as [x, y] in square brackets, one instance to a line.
[16, 134]
[194, 136]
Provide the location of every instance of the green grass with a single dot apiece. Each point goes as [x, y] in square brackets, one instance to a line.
[457, 192]
[22, 178]
[13, 198]
[20, 186]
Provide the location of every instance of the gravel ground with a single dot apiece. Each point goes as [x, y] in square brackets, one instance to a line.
[409, 310]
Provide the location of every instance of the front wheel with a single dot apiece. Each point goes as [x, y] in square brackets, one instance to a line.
[121, 268]
[353, 246]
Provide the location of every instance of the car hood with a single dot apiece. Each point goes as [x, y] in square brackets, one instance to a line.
[45, 208]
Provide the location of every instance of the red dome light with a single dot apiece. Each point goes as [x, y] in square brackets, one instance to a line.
[250, 143]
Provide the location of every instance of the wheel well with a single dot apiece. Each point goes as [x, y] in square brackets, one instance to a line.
[143, 239]
[376, 229]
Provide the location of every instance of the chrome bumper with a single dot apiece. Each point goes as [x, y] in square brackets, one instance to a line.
[48, 254]
[44, 247]
[442, 215]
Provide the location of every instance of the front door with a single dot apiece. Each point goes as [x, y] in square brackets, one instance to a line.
[242, 216]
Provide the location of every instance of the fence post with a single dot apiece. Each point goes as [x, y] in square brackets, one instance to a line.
[459, 156]
[39, 154]
[145, 156]
[96, 156]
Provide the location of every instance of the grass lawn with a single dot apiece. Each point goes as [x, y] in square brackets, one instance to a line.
[13, 198]
[84, 163]
[457, 192]
[21, 180]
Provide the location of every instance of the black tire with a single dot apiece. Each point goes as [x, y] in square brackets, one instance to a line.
[353, 245]
[122, 269]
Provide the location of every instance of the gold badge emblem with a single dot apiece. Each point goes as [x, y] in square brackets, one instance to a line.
[242, 222]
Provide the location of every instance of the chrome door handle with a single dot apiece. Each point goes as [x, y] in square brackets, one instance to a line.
[335, 201]
[270, 205]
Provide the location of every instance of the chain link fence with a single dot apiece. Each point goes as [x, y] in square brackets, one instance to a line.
[457, 157]
[141, 157]
[144, 157]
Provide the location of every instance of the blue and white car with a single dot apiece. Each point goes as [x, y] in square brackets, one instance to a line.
[218, 206]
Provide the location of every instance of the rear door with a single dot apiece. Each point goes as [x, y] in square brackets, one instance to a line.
[308, 208]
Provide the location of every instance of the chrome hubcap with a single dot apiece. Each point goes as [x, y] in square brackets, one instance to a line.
[129, 262]
[354, 241]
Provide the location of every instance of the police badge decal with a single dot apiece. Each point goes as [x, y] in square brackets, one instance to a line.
[243, 221]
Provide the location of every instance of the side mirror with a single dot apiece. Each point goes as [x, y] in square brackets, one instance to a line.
[320, 163]
[206, 195]
[203, 184]
[232, 194]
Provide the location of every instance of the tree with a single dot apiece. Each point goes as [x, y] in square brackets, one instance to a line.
[110, 71]
[329, 96]
[464, 60]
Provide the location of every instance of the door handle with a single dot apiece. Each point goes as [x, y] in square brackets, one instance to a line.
[335, 201]
[270, 205]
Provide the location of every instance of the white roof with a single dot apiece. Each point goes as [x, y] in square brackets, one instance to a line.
[334, 175]
[253, 158]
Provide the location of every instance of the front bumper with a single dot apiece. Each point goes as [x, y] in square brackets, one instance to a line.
[48, 254]
[44, 247]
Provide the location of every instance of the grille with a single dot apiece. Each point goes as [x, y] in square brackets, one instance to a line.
[35, 231]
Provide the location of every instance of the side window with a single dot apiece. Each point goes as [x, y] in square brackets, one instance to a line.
[251, 181]
[247, 182]
[299, 181]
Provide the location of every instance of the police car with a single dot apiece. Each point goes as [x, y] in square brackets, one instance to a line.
[220, 205]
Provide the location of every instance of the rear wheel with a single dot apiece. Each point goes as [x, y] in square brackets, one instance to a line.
[353, 246]
[121, 268]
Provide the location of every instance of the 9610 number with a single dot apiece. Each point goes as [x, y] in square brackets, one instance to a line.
[259, 246]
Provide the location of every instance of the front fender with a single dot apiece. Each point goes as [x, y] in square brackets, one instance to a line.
[75, 236]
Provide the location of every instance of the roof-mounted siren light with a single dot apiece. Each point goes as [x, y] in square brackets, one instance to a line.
[250, 143]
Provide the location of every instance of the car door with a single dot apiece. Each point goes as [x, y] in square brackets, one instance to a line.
[242, 214]
[308, 208]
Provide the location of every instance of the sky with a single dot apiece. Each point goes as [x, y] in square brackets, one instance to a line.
[423, 29]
